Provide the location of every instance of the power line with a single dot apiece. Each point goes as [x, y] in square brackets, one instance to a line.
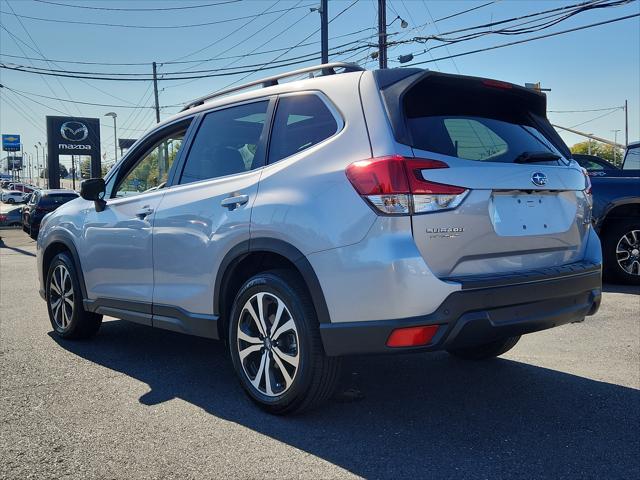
[120, 25]
[587, 110]
[596, 118]
[155, 9]
[146, 64]
[527, 39]
[77, 101]
[290, 48]
[145, 77]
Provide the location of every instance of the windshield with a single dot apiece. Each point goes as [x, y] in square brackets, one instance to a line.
[477, 138]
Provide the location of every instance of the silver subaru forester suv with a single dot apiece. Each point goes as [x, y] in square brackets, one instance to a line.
[350, 212]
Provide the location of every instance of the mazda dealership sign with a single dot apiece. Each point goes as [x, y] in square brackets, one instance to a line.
[72, 136]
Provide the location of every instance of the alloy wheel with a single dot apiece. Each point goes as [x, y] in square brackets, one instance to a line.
[268, 344]
[628, 252]
[61, 296]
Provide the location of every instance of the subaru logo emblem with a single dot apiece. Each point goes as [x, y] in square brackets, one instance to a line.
[74, 131]
[539, 179]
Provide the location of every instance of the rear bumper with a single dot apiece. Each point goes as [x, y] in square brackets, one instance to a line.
[487, 308]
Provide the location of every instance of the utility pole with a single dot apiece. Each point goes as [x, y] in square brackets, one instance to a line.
[626, 123]
[324, 26]
[382, 33]
[155, 91]
[73, 171]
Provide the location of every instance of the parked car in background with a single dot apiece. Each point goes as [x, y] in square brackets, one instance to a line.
[616, 217]
[592, 163]
[11, 218]
[22, 187]
[41, 203]
[12, 196]
[4, 184]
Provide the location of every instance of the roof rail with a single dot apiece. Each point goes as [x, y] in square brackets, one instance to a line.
[325, 69]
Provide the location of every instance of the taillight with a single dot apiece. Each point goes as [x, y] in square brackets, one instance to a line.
[3, 218]
[395, 185]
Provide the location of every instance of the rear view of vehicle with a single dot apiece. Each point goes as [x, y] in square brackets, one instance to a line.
[498, 214]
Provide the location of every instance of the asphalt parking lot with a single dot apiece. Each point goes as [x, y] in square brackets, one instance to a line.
[142, 403]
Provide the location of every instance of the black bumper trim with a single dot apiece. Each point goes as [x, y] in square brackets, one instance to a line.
[473, 316]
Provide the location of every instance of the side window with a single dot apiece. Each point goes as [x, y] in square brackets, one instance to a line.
[300, 122]
[227, 143]
[151, 171]
[473, 140]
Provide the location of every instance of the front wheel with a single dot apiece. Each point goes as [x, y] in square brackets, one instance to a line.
[64, 301]
[487, 350]
[275, 345]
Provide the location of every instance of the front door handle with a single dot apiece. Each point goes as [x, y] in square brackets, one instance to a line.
[234, 201]
[144, 212]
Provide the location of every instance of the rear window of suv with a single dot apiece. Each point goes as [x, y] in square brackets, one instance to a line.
[476, 138]
[56, 200]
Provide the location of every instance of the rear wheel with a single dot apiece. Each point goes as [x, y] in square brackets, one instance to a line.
[10, 200]
[275, 345]
[487, 350]
[64, 301]
[621, 252]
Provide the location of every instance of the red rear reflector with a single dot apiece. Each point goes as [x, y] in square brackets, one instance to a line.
[412, 336]
[419, 185]
[497, 84]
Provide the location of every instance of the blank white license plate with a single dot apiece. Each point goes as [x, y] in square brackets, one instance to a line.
[527, 214]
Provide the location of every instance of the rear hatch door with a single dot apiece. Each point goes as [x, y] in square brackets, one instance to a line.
[525, 205]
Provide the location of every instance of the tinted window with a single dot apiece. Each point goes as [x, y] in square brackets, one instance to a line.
[152, 170]
[477, 138]
[632, 159]
[55, 200]
[301, 121]
[227, 143]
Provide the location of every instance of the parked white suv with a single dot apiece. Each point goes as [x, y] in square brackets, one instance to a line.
[356, 212]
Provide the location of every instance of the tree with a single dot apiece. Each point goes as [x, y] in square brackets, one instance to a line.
[599, 149]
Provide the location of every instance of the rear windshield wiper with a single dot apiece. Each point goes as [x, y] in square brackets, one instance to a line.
[532, 157]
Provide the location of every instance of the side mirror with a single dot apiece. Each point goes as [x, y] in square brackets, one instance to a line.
[94, 189]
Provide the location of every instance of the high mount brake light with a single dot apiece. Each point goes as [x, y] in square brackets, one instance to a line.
[395, 185]
[497, 84]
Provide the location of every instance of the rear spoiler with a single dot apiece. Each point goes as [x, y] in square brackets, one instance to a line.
[458, 95]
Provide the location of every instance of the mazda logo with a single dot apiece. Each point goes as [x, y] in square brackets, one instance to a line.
[539, 179]
[74, 131]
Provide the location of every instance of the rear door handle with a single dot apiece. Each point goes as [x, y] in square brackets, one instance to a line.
[144, 212]
[234, 201]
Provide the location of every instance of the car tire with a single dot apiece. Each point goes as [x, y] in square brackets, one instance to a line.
[10, 200]
[618, 239]
[33, 233]
[487, 350]
[299, 374]
[64, 301]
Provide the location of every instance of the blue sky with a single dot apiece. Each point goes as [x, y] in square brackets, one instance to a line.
[590, 69]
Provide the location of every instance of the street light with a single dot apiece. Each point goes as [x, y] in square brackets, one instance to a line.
[115, 135]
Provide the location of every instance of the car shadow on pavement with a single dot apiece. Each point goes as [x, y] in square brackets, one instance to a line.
[420, 416]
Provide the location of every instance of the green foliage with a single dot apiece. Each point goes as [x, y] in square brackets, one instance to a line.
[64, 173]
[601, 150]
